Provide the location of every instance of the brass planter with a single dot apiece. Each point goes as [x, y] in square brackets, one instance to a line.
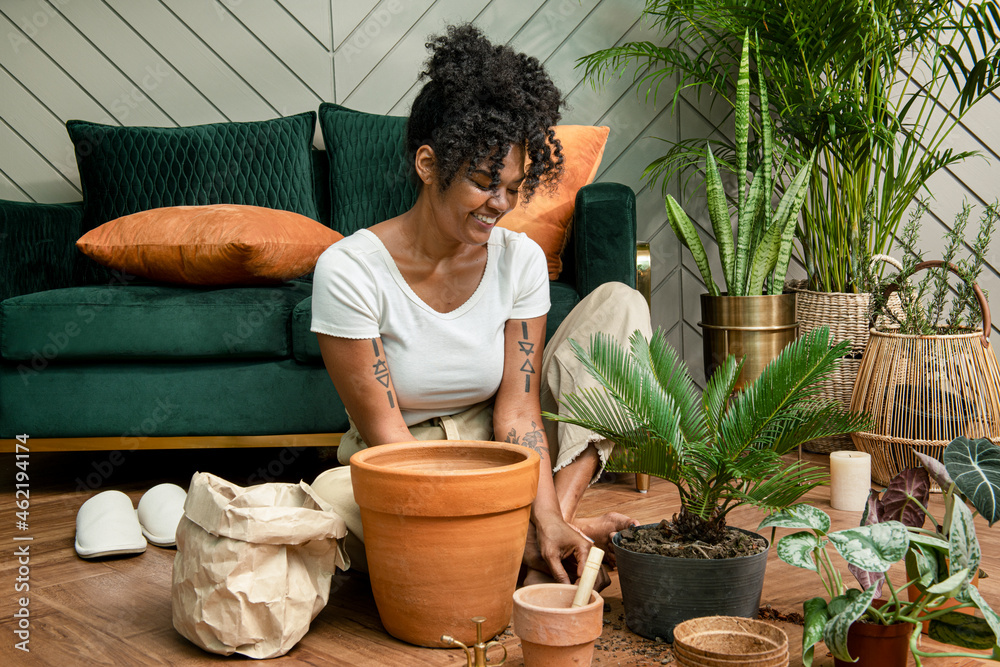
[755, 328]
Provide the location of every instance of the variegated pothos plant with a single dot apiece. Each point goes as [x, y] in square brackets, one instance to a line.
[763, 245]
[944, 559]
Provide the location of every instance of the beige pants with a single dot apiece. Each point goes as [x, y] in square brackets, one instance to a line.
[613, 308]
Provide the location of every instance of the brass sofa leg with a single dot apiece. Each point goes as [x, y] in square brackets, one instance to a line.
[643, 283]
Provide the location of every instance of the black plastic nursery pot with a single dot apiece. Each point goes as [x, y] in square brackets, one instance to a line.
[659, 592]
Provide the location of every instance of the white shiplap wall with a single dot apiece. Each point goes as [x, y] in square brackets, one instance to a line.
[183, 62]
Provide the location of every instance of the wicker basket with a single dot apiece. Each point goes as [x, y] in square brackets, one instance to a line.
[847, 316]
[924, 391]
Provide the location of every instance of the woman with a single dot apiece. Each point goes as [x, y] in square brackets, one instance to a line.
[432, 323]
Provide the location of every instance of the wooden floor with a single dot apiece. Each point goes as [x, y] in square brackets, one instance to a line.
[117, 611]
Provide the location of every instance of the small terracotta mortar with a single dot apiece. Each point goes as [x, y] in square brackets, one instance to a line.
[553, 634]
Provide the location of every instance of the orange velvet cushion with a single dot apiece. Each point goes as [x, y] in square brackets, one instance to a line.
[546, 219]
[222, 244]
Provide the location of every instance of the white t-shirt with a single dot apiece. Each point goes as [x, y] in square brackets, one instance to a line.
[440, 363]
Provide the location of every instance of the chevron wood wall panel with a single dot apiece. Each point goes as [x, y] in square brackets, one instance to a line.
[183, 62]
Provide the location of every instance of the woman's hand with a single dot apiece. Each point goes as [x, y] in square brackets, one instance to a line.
[554, 541]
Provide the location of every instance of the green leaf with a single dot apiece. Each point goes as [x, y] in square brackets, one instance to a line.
[688, 235]
[742, 119]
[786, 219]
[975, 467]
[929, 541]
[816, 617]
[798, 516]
[962, 630]
[874, 548]
[922, 565]
[950, 586]
[750, 217]
[798, 549]
[722, 226]
[835, 632]
[963, 547]
[989, 615]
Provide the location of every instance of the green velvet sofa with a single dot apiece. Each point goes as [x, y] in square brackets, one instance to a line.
[93, 359]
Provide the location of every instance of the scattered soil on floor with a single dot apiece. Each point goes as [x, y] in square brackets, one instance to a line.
[657, 540]
[766, 613]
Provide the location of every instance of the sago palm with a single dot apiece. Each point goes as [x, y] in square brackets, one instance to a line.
[720, 450]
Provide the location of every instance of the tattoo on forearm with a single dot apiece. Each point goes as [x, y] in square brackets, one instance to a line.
[533, 439]
[529, 351]
[382, 372]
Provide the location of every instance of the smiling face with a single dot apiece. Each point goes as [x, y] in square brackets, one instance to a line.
[468, 209]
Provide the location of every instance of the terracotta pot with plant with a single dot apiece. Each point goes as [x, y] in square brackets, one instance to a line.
[944, 562]
[970, 474]
[719, 452]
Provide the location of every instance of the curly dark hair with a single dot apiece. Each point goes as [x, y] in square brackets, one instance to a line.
[480, 98]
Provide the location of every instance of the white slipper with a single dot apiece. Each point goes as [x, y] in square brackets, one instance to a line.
[160, 510]
[106, 525]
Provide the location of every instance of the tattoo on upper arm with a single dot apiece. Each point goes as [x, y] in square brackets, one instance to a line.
[382, 372]
[528, 349]
[533, 439]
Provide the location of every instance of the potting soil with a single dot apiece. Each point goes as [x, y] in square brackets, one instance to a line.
[658, 539]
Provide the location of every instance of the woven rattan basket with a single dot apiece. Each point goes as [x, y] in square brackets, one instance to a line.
[924, 391]
[847, 316]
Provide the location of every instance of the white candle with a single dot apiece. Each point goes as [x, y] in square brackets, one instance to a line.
[850, 480]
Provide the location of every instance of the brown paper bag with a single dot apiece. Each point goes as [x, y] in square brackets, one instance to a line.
[253, 565]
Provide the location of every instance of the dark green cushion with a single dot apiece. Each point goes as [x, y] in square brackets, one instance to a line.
[138, 400]
[36, 246]
[124, 170]
[563, 298]
[604, 228]
[369, 171]
[129, 322]
[305, 347]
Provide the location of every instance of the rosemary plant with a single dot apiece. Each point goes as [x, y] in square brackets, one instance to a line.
[923, 305]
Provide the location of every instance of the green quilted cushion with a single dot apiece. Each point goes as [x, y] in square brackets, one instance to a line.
[369, 172]
[36, 246]
[305, 347]
[563, 298]
[125, 170]
[130, 322]
[139, 400]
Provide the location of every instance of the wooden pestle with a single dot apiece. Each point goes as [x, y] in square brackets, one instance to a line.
[586, 584]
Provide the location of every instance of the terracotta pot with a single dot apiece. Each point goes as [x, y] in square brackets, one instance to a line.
[552, 634]
[912, 594]
[729, 641]
[444, 529]
[876, 645]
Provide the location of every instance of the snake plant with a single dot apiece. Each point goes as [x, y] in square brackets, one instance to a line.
[763, 245]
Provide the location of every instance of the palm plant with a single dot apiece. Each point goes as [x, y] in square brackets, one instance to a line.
[719, 452]
[763, 245]
[874, 87]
